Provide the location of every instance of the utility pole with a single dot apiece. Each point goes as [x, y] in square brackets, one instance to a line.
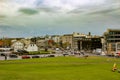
[116, 47]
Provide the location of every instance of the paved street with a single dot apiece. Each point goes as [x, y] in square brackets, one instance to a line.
[8, 58]
[20, 57]
[48, 55]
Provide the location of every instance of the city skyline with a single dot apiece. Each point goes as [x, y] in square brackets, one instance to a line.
[24, 18]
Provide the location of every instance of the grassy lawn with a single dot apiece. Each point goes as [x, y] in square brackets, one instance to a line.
[60, 68]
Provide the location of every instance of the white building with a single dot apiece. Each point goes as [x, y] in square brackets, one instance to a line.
[31, 47]
[17, 45]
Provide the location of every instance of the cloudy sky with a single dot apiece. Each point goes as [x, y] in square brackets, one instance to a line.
[25, 18]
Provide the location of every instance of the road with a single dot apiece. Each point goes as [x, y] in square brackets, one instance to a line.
[20, 57]
[47, 55]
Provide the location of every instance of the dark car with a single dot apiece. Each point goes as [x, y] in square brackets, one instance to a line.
[65, 54]
[25, 57]
[21, 52]
[35, 56]
[13, 56]
[51, 55]
[2, 54]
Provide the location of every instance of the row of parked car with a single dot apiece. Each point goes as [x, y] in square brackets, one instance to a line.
[28, 56]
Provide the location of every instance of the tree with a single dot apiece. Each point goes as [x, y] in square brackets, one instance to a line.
[61, 44]
[6, 43]
[34, 39]
[46, 49]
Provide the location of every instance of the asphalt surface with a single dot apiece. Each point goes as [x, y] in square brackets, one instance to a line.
[20, 57]
[48, 55]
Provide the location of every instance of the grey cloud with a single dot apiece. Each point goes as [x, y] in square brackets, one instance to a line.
[108, 7]
[104, 11]
[99, 10]
[112, 1]
[48, 9]
[2, 16]
[76, 11]
[28, 11]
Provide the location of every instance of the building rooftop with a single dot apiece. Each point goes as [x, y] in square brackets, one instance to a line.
[67, 35]
[113, 30]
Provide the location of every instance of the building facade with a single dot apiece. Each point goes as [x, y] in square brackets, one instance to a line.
[86, 42]
[41, 43]
[31, 47]
[67, 40]
[77, 40]
[112, 37]
[56, 38]
[17, 45]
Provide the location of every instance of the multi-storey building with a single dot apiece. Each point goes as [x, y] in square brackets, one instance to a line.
[67, 40]
[96, 42]
[86, 42]
[77, 40]
[112, 40]
[17, 45]
[56, 38]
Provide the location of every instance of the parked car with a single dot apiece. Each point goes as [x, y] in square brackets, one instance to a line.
[51, 55]
[98, 51]
[2, 54]
[117, 54]
[13, 56]
[25, 56]
[21, 52]
[65, 54]
[35, 56]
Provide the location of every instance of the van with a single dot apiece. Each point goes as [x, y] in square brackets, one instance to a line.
[98, 51]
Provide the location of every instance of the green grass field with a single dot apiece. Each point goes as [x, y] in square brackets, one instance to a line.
[60, 68]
